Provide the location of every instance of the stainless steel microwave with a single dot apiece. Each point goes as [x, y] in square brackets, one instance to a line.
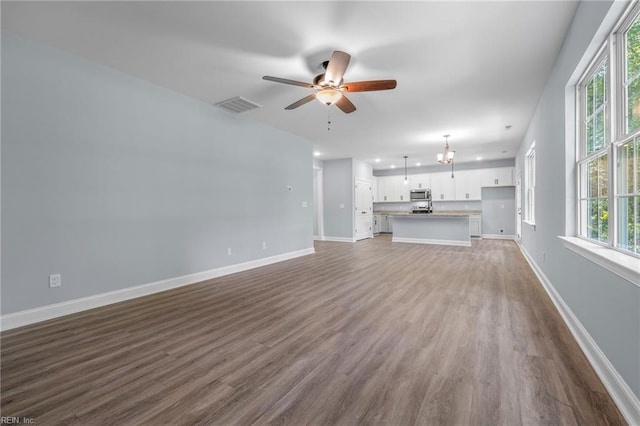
[420, 194]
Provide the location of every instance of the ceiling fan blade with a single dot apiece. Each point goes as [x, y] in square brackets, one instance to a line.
[302, 101]
[345, 105]
[287, 81]
[336, 68]
[368, 86]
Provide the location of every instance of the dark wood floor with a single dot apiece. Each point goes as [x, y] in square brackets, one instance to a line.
[368, 333]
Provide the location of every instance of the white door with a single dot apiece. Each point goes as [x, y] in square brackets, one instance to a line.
[363, 209]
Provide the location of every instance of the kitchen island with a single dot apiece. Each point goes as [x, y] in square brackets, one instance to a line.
[445, 228]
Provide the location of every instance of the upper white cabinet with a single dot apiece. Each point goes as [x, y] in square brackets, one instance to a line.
[402, 192]
[442, 187]
[374, 188]
[467, 184]
[500, 176]
[392, 189]
[420, 181]
[385, 189]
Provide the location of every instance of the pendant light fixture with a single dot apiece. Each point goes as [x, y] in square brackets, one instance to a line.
[406, 181]
[447, 157]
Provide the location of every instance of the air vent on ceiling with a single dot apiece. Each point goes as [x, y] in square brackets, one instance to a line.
[238, 104]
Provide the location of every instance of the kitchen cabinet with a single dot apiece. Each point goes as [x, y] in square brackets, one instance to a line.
[385, 222]
[392, 189]
[467, 185]
[374, 188]
[475, 225]
[376, 223]
[420, 181]
[499, 176]
[442, 187]
[385, 189]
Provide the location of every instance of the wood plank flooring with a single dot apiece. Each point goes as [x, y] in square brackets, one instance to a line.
[375, 333]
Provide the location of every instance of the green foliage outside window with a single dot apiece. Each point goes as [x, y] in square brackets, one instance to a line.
[628, 170]
[597, 201]
[633, 72]
[596, 98]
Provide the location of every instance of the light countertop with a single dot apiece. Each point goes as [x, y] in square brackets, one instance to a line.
[435, 213]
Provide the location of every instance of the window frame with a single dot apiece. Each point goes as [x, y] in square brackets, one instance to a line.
[613, 51]
[530, 185]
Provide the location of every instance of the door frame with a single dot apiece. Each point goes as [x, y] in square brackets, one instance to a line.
[362, 181]
[318, 204]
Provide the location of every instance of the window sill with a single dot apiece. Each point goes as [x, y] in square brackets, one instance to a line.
[531, 224]
[623, 265]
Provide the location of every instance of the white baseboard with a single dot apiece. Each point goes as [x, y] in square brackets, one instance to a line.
[30, 316]
[339, 239]
[498, 237]
[627, 402]
[431, 241]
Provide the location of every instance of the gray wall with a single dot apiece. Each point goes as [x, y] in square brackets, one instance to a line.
[499, 210]
[114, 182]
[338, 198]
[362, 170]
[606, 305]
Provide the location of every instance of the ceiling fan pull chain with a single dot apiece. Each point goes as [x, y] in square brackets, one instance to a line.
[328, 119]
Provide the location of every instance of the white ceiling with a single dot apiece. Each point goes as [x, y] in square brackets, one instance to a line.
[465, 68]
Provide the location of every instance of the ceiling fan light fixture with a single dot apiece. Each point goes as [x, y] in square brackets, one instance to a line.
[329, 96]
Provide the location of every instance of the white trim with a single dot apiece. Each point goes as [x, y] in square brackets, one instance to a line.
[623, 265]
[430, 241]
[30, 316]
[319, 204]
[498, 237]
[339, 239]
[626, 401]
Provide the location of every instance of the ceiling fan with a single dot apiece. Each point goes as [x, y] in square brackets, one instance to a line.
[330, 87]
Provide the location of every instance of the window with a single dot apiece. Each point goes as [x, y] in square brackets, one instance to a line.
[608, 160]
[530, 185]
[628, 196]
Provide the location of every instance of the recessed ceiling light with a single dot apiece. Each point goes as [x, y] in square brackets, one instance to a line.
[478, 158]
[377, 160]
[418, 164]
[504, 152]
[393, 167]
[316, 154]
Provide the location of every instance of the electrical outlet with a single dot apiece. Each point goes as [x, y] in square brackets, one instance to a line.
[55, 280]
[229, 251]
[289, 188]
[304, 204]
[264, 245]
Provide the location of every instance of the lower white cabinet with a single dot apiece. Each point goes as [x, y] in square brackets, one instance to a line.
[376, 223]
[385, 224]
[475, 225]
